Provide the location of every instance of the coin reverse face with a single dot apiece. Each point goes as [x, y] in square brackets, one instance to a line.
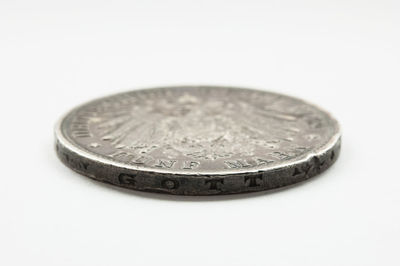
[199, 140]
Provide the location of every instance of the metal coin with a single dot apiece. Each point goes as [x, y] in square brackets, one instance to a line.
[198, 140]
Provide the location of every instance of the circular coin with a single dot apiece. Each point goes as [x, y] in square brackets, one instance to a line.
[198, 140]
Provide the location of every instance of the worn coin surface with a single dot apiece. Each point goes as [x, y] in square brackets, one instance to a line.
[198, 140]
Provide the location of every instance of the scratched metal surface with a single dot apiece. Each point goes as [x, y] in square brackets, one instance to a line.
[198, 140]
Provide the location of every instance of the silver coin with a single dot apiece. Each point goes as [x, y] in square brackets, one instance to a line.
[198, 140]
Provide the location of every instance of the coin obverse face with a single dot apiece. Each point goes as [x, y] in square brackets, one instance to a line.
[199, 140]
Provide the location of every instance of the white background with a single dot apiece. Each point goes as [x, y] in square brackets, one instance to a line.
[342, 55]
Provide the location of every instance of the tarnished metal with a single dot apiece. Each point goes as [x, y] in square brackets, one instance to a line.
[198, 140]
